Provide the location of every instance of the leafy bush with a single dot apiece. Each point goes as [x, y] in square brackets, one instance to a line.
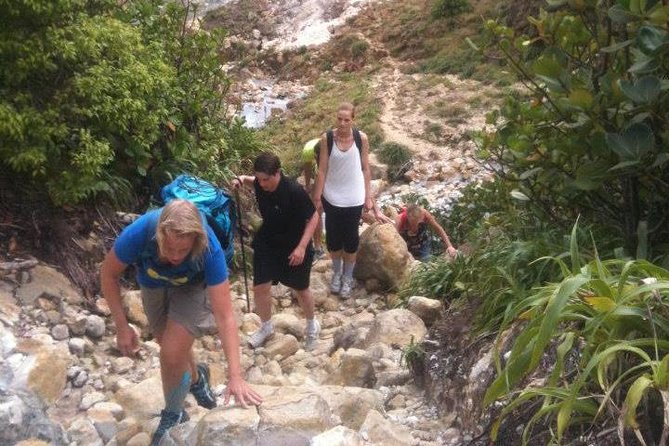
[100, 99]
[397, 157]
[449, 8]
[591, 139]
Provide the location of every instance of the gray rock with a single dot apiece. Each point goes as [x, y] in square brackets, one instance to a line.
[95, 326]
[60, 332]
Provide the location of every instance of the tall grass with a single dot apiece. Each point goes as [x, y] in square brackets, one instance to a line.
[612, 315]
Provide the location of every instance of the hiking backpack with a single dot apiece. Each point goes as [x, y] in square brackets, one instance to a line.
[329, 135]
[216, 204]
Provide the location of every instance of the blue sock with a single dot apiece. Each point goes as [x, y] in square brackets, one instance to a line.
[175, 400]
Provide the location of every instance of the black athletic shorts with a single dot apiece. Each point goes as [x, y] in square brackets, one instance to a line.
[270, 265]
[341, 227]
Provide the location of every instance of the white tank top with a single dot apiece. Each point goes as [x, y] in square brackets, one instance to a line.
[344, 181]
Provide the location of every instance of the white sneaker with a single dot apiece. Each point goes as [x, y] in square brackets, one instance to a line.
[347, 285]
[335, 284]
[311, 340]
[259, 337]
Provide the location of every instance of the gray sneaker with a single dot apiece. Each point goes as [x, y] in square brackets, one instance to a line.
[259, 337]
[347, 285]
[335, 284]
[311, 340]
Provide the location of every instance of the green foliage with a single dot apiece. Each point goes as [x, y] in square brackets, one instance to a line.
[397, 157]
[592, 136]
[96, 98]
[449, 8]
[318, 113]
[607, 322]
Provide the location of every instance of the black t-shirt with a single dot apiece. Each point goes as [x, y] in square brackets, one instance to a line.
[285, 213]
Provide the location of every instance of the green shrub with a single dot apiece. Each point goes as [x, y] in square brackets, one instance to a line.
[397, 157]
[449, 8]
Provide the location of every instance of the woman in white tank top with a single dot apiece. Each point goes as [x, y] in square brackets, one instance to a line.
[342, 190]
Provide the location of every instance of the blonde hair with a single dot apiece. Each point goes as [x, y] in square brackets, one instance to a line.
[348, 107]
[182, 218]
[414, 210]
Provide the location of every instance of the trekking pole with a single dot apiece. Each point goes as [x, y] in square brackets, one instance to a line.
[241, 239]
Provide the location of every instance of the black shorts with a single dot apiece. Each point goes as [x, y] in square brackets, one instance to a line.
[271, 265]
[341, 227]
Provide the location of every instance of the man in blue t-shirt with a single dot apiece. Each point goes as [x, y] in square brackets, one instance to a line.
[186, 294]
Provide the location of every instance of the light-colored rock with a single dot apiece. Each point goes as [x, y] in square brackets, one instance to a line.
[105, 423]
[113, 408]
[142, 400]
[47, 281]
[282, 346]
[291, 417]
[95, 326]
[379, 430]
[337, 436]
[356, 369]
[82, 432]
[122, 365]
[44, 370]
[429, 310]
[90, 399]
[9, 310]
[77, 346]
[60, 332]
[140, 439]
[7, 341]
[289, 324]
[132, 304]
[229, 426]
[77, 324]
[398, 327]
[382, 255]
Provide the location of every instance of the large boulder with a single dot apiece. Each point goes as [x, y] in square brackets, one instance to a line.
[383, 256]
[43, 368]
[398, 327]
[429, 310]
[379, 430]
[46, 281]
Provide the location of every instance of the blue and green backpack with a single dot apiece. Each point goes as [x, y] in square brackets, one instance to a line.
[215, 203]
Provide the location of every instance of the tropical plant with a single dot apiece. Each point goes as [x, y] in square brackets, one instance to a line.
[601, 332]
[590, 137]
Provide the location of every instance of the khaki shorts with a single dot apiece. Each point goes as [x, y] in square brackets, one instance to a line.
[187, 305]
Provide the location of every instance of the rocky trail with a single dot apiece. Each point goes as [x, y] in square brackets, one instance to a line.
[62, 381]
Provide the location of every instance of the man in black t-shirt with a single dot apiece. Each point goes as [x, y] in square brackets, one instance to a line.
[282, 250]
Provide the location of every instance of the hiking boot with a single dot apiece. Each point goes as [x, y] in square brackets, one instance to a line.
[311, 340]
[347, 284]
[335, 284]
[201, 389]
[259, 337]
[168, 420]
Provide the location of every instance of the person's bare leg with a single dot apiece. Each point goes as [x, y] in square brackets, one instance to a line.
[176, 358]
[263, 301]
[306, 301]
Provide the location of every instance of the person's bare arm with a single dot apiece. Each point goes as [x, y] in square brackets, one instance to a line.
[297, 256]
[243, 180]
[110, 274]
[221, 306]
[307, 170]
[450, 249]
[366, 173]
[323, 160]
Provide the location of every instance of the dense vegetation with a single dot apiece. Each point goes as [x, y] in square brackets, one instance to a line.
[589, 142]
[98, 99]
